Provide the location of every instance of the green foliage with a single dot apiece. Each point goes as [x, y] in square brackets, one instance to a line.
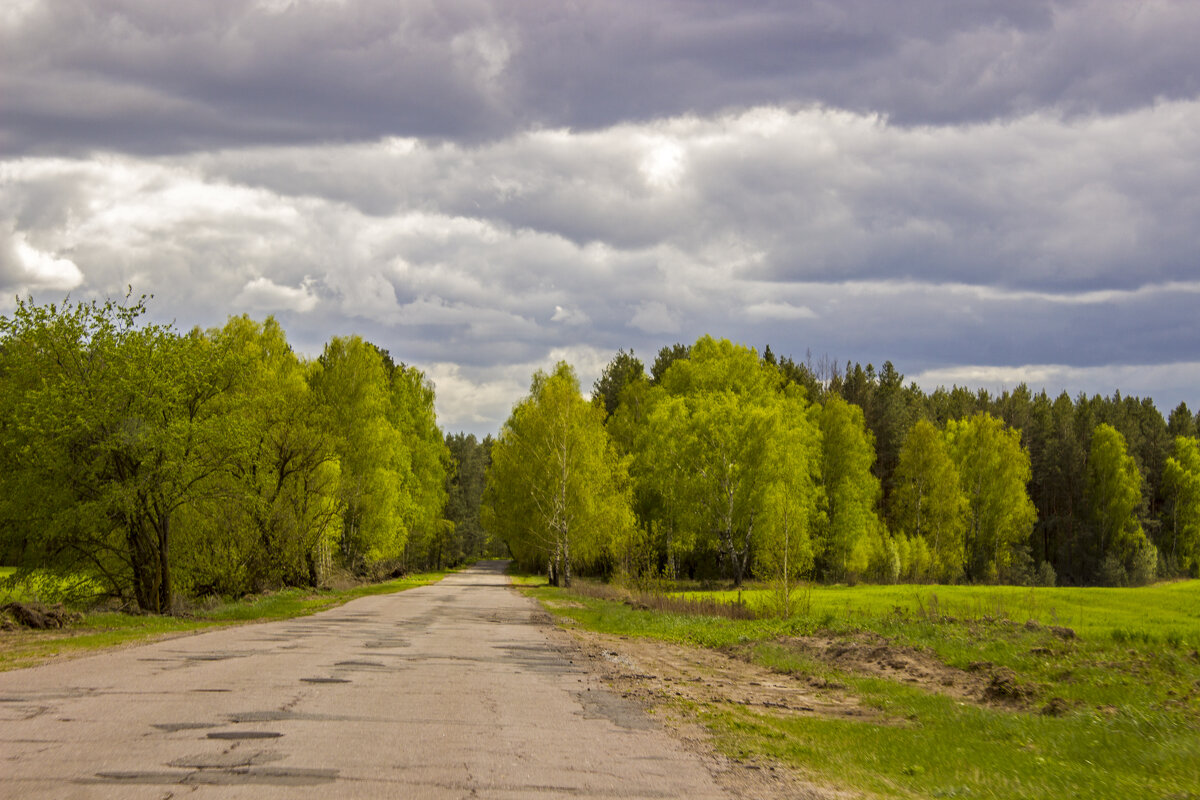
[994, 470]
[109, 430]
[928, 502]
[1181, 477]
[717, 428]
[557, 492]
[851, 490]
[784, 537]
[464, 488]
[624, 369]
[1114, 493]
[213, 462]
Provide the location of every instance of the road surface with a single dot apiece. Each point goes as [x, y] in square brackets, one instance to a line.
[446, 691]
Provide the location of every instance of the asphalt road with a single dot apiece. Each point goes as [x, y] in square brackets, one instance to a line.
[451, 690]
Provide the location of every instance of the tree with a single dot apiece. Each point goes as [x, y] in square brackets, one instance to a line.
[665, 358]
[1114, 494]
[411, 413]
[928, 500]
[273, 516]
[557, 493]
[108, 430]
[784, 546]
[464, 489]
[851, 489]
[714, 429]
[620, 372]
[1181, 476]
[352, 386]
[994, 471]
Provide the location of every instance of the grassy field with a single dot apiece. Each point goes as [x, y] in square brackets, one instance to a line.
[1161, 613]
[1112, 711]
[24, 648]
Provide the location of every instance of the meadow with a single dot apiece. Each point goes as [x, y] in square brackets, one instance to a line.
[972, 691]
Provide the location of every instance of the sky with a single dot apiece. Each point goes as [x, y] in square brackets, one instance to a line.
[984, 192]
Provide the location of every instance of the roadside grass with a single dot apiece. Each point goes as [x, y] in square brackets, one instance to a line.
[102, 629]
[1111, 713]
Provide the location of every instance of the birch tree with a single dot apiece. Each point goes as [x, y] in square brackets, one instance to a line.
[557, 493]
[928, 500]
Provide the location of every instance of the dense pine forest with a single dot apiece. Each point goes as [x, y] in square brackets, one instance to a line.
[721, 463]
[159, 465]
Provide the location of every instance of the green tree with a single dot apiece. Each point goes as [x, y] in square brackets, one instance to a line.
[1181, 477]
[464, 488]
[1114, 494]
[784, 539]
[994, 470]
[851, 489]
[411, 413]
[273, 516]
[713, 434]
[928, 500]
[620, 372]
[108, 431]
[557, 492]
[353, 388]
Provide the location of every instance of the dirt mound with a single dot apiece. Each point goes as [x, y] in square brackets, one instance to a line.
[37, 616]
[876, 657]
[982, 682]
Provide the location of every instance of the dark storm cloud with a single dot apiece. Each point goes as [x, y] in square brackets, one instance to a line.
[152, 77]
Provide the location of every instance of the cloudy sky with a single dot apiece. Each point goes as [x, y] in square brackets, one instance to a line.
[982, 191]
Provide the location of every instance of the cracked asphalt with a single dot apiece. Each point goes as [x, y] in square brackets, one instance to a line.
[446, 691]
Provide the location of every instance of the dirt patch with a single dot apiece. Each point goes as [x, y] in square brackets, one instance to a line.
[39, 617]
[655, 673]
[983, 682]
[648, 667]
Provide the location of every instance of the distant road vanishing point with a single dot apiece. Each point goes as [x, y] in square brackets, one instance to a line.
[447, 691]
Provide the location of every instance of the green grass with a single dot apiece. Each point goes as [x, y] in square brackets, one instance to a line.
[1159, 613]
[1129, 684]
[100, 630]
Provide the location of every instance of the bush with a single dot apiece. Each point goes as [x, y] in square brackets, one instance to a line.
[1144, 568]
[1045, 575]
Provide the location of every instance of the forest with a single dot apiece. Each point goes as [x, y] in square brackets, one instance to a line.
[723, 464]
[155, 466]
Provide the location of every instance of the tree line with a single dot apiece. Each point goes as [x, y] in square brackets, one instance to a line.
[163, 464]
[721, 462]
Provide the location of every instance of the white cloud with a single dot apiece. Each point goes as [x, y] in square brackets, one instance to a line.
[37, 269]
[802, 228]
[263, 294]
[781, 311]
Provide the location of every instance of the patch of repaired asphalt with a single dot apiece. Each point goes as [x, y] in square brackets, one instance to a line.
[616, 709]
[262, 776]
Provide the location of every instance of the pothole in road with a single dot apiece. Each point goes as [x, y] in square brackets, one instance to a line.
[243, 735]
[173, 727]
